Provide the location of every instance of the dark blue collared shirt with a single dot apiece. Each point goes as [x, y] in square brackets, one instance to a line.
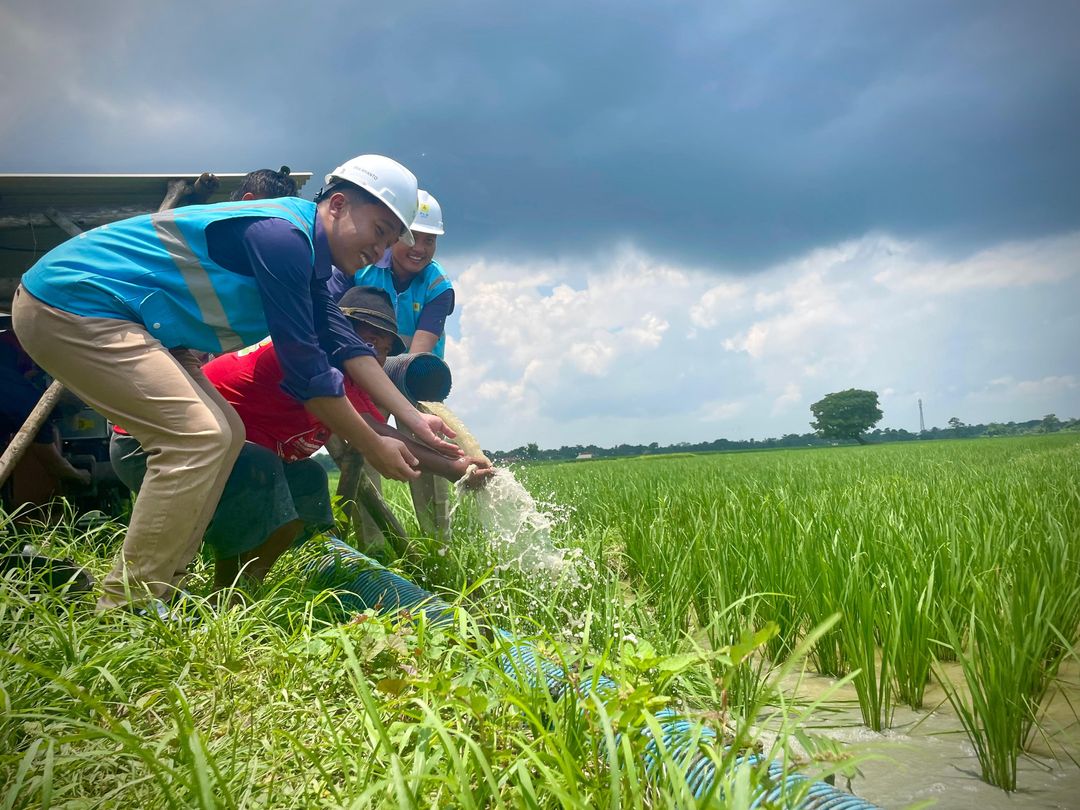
[312, 338]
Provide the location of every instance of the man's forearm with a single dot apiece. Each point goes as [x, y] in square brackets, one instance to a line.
[390, 457]
[370, 377]
[366, 372]
[54, 463]
[338, 414]
[430, 460]
[423, 341]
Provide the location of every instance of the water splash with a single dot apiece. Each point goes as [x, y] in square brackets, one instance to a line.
[518, 530]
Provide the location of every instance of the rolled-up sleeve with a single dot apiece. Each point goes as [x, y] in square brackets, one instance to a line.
[336, 333]
[300, 314]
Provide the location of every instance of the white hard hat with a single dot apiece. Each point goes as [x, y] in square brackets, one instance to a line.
[386, 179]
[428, 215]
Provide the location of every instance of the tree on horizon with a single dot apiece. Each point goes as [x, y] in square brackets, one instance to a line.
[846, 414]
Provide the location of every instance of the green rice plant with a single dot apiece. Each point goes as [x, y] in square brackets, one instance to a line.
[992, 713]
[869, 640]
[912, 603]
[828, 573]
[273, 703]
[1012, 652]
[743, 673]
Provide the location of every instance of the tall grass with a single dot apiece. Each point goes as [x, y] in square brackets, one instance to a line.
[704, 575]
[286, 702]
[1020, 627]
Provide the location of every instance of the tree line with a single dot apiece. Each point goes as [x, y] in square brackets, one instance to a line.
[843, 417]
[531, 452]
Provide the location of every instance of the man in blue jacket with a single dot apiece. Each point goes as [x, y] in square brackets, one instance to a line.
[423, 299]
[118, 314]
[421, 288]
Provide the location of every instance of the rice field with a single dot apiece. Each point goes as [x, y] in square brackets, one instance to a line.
[965, 551]
[921, 580]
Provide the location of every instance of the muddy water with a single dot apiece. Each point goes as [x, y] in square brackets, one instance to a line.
[926, 756]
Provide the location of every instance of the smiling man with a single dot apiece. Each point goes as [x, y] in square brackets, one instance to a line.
[276, 495]
[423, 299]
[422, 293]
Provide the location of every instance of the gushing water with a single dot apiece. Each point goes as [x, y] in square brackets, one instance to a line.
[517, 529]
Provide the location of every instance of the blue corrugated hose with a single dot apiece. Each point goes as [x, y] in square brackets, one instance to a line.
[362, 583]
[520, 660]
[373, 586]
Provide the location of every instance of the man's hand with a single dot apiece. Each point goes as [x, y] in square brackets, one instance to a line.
[430, 430]
[393, 459]
[67, 472]
[479, 474]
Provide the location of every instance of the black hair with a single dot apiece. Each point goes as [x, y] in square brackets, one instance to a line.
[361, 195]
[266, 184]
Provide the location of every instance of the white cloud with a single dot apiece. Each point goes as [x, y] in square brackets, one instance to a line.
[593, 357]
[1014, 264]
[630, 348]
[1008, 399]
[791, 396]
[649, 331]
[1007, 387]
[717, 302]
[720, 411]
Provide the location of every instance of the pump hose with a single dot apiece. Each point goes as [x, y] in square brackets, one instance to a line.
[372, 586]
[369, 584]
[420, 376]
[678, 736]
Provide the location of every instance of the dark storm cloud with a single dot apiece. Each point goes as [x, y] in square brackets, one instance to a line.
[731, 134]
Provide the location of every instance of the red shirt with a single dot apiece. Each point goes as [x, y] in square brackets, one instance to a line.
[250, 380]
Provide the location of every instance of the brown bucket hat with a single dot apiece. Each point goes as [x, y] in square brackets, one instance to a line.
[372, 305]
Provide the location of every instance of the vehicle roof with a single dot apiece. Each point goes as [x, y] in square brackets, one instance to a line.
[88, 200]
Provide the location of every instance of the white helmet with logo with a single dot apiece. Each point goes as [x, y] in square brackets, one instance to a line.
[428, 215]
[386, 179]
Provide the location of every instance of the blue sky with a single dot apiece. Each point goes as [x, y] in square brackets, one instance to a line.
[666, 222]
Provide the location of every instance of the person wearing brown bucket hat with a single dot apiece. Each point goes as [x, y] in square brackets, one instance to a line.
[377, 324]
[372, 307]
[277, 496]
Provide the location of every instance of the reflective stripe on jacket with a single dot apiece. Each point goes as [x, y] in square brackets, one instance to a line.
[155, 270]
[428, 283]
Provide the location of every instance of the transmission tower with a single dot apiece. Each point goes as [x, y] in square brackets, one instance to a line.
[922, 422]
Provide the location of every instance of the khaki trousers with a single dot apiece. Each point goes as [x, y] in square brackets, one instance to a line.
[192, 435]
